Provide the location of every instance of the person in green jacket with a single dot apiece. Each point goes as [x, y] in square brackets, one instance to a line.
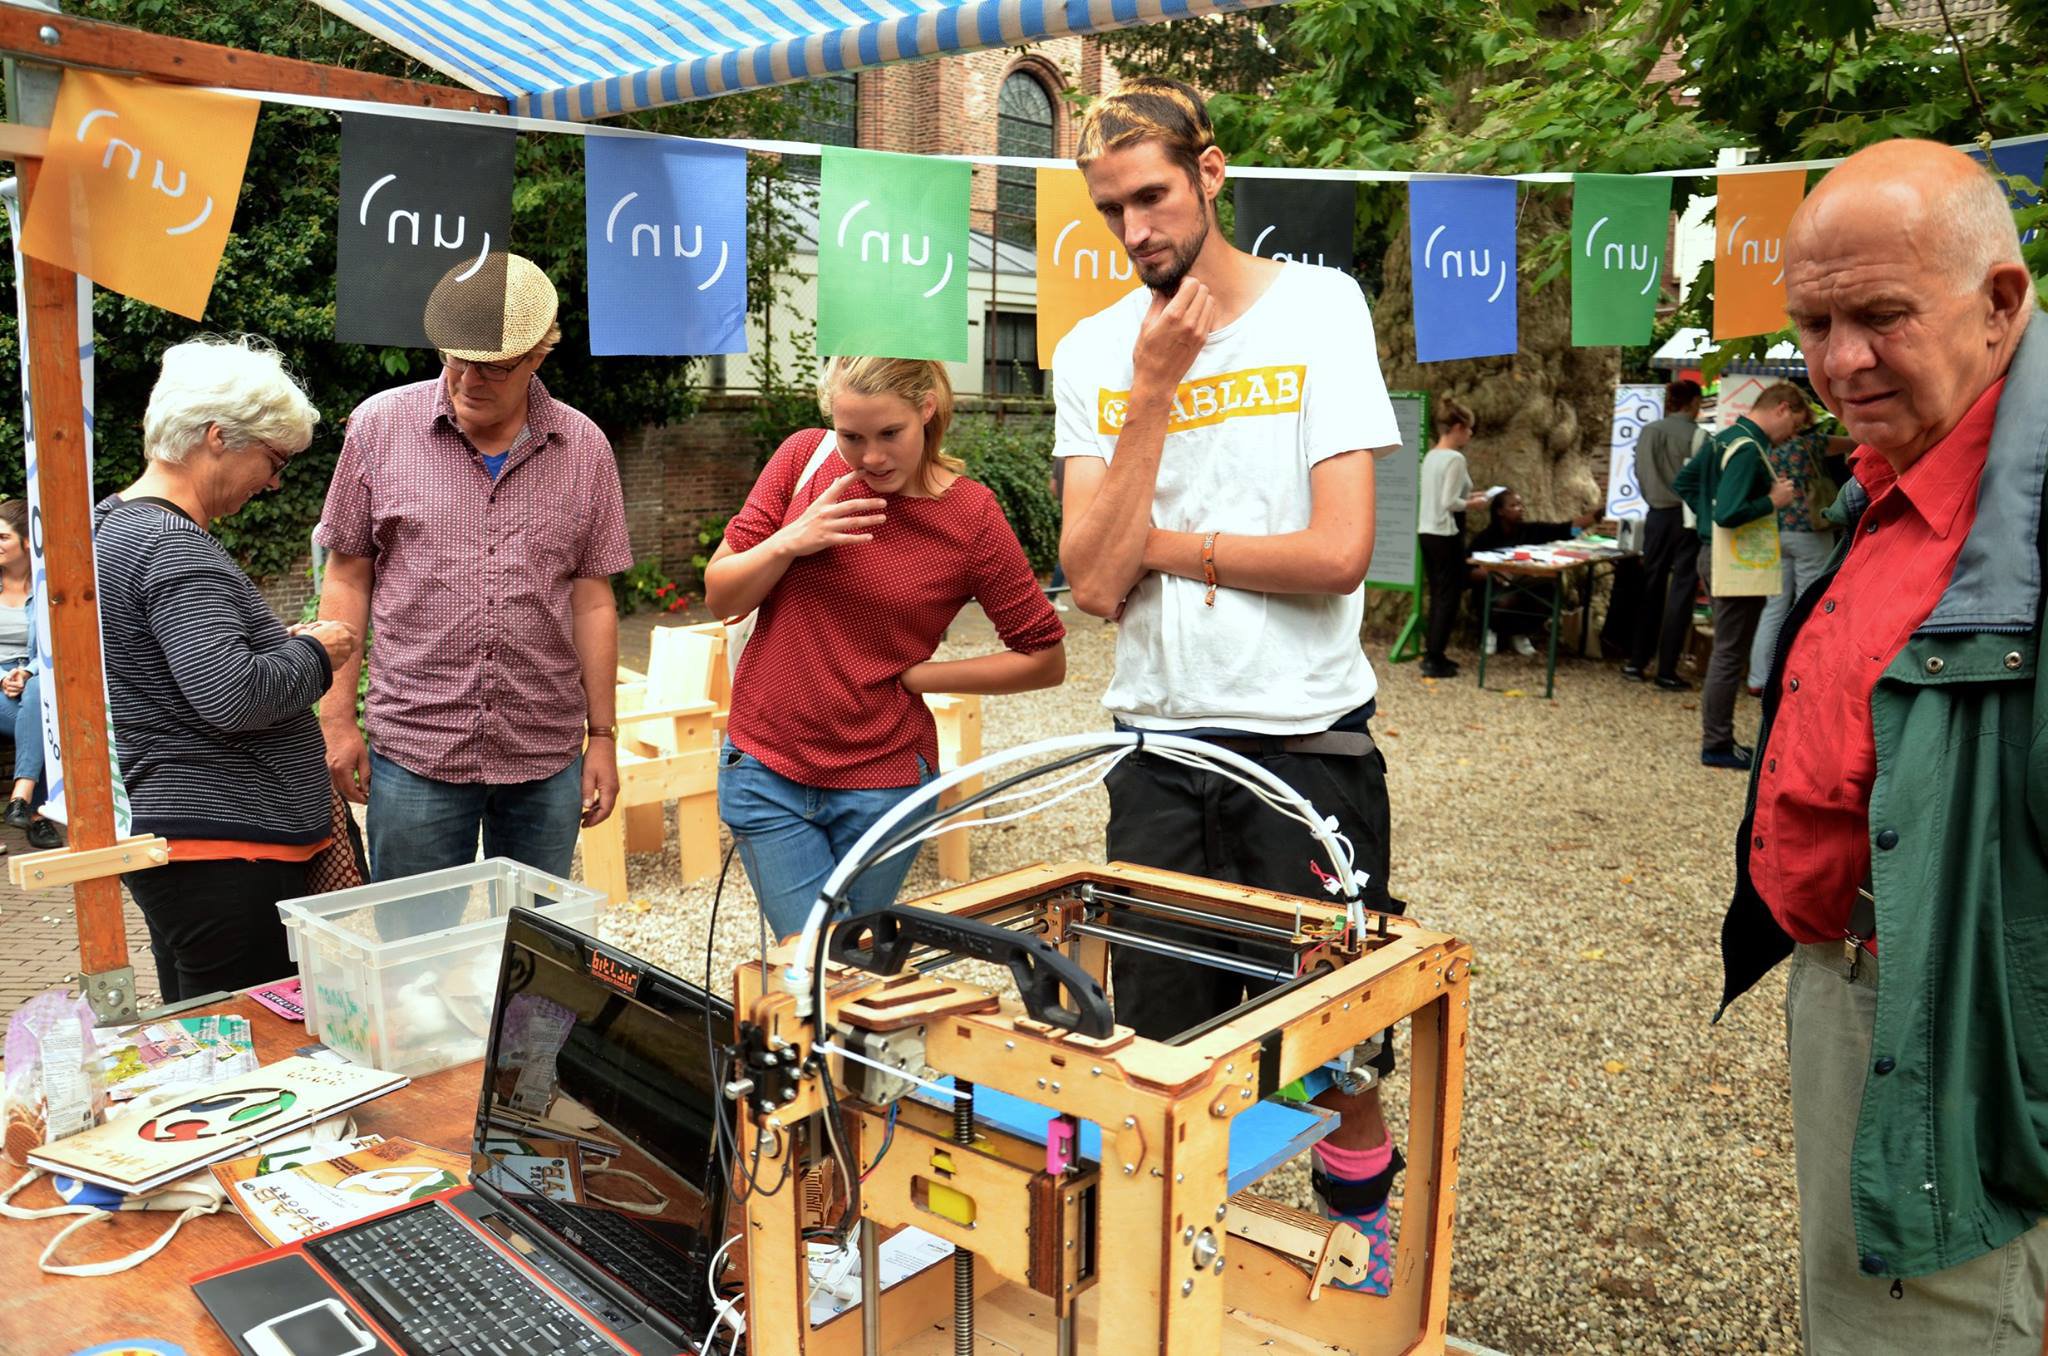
[1728, 483]
[1895, 841]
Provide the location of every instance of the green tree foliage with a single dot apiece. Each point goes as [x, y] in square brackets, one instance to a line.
[1800, 82]
[1012, 455]
[277, 276]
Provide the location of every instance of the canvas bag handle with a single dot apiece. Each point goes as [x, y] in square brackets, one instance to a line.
[738, 630]
[198, 1195]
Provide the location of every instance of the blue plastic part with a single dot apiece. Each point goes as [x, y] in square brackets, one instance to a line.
[1261, 1138]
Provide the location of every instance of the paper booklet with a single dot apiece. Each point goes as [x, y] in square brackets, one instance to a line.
[140, 1150]
[290, 1196]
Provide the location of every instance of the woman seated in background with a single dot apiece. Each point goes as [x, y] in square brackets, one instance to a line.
[21, 703]
[212, 697]
[1521, 614]
[858, 554]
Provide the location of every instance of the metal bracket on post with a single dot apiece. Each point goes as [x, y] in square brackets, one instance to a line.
[111, 994]
[31, 88]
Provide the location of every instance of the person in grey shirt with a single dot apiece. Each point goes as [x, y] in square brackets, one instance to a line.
[1671, 575]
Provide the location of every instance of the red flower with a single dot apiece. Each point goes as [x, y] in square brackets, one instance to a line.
[665, 590]
[678, 605]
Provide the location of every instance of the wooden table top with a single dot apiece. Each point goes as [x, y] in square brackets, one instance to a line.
[63, 1314]
[1543, 567]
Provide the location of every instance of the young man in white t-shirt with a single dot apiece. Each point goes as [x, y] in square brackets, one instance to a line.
[1219, 427]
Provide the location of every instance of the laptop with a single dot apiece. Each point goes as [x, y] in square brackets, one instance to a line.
[594, 1202]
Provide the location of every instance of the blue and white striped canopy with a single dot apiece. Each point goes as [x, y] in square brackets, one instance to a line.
[594, 58]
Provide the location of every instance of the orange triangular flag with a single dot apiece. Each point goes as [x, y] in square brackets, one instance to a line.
[138, 187]
[1751, 212]
[1081, 267]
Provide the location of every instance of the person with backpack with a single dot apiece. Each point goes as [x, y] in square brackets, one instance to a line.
[1729, 485]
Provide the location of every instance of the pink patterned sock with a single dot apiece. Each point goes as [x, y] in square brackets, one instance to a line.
[1355, 1165]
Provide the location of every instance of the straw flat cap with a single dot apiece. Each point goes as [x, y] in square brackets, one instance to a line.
[462, 310]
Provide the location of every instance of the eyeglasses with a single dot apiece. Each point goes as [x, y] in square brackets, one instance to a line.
[278, 457]
[491, 372]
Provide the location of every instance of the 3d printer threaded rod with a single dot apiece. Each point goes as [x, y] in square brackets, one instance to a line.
[963, 1260]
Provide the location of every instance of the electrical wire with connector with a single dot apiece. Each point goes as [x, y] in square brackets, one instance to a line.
[910, 821]
[724, 1309]
[888, 1138]
[726, 1158]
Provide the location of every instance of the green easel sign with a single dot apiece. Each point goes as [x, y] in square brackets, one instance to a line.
[1396, 557]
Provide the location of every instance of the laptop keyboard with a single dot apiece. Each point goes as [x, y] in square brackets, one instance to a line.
[446, 1290]
[671, 1279]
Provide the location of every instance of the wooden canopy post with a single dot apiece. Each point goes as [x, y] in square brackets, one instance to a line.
[65, 525]
[65, 528]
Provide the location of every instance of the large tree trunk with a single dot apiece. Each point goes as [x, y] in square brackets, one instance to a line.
[1543, 414]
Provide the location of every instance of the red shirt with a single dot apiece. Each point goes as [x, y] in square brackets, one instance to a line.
[1809, 846]
[816, 696]
[473, 669]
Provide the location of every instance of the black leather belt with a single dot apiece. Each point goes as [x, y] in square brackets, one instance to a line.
[1339, 743]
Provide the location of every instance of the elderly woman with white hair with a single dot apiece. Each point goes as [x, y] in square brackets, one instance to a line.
[212, 697]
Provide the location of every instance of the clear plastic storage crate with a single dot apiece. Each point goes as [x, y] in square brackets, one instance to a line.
[400, 975]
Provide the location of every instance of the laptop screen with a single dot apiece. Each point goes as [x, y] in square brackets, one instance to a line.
[597, 1113]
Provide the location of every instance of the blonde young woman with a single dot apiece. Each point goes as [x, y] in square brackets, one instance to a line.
[858, 561]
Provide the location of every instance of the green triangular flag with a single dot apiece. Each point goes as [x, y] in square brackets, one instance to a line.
[892, 256]
[1620, 223]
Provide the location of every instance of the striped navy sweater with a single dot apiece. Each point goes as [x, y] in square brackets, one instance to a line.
[212, 702]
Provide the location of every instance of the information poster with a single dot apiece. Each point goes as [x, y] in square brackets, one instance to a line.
[1397, 483]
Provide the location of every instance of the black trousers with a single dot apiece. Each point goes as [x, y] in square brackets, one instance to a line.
[1443, 565]
[1178, 818]
[1671, 553]
[214, 925]
[1625, 603]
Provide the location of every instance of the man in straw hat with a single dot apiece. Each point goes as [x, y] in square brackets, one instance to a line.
[1219, 426]
[474, 521]
[1896, 846]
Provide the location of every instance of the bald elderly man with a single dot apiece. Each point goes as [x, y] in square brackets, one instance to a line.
[1897, 842]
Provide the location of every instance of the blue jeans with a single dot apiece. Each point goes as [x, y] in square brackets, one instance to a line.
[1805, 559]
[418, 824]
[24, 714]
[790, 837]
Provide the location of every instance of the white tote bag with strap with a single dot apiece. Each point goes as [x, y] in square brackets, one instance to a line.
[1746, 562]
[738, 630]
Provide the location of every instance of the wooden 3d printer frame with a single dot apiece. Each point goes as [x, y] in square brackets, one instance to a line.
[1180, 1265]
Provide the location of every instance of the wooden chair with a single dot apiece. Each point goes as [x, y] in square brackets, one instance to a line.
[671, 724]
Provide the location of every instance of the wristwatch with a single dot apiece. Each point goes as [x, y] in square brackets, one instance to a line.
[604, 731]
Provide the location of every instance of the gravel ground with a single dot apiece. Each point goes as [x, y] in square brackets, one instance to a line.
[1627, 1179]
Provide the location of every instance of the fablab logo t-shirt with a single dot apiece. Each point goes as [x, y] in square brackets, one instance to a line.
[1293, 381]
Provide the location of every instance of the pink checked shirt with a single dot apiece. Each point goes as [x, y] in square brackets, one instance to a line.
[474, 675]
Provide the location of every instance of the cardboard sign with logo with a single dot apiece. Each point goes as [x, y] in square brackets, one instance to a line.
[1082, 268]
[892, 256]
[421, 201]
[1307, 221]
[1751, 212]
[1619, 225]
[1461, 249]
[666, 230]
[138, 189]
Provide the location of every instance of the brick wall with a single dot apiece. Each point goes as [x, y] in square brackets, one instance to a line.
[288, 593]
[676, 478]
[704, 465]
